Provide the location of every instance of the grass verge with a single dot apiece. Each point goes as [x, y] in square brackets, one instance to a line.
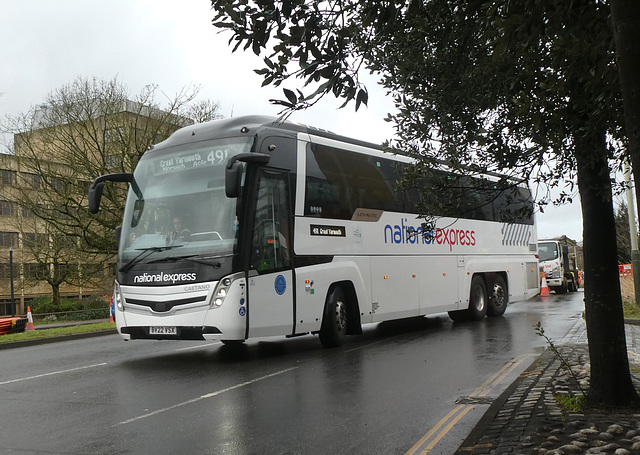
[571, 404]
[631, 310]
[57, 332]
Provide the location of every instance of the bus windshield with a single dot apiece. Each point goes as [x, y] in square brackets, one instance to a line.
[547, 251]
[177, 204]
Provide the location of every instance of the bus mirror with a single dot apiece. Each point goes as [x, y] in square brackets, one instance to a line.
[233, 171]
[97, 186]
[95, 195]
[233, 178]
[118, 234]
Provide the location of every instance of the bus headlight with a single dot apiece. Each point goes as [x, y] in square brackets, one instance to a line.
[221, 292]
[118, 297]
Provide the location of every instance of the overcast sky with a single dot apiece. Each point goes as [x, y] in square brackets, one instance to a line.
[46, 44]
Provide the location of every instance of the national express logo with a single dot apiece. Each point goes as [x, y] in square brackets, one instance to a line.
[427, 235]
[162, 277]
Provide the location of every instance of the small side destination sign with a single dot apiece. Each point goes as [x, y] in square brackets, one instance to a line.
[328, 231]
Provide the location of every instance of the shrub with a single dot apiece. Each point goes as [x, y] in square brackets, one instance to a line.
[39, 302]
[94, 307]
[94, 302]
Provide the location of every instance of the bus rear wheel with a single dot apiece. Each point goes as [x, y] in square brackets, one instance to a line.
[499, 297]
[334, 321]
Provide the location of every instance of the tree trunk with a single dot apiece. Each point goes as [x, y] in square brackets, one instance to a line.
[626, 27]
[610, 383]
[55, 292]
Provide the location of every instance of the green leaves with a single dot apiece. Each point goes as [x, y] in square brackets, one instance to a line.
[316, 42]
[494, 84]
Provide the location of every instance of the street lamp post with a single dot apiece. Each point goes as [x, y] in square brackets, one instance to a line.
[633, 232]
[13, 302]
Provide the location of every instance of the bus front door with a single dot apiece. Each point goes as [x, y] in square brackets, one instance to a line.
[270, 291]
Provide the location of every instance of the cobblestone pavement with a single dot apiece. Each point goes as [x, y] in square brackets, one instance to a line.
[526, 419]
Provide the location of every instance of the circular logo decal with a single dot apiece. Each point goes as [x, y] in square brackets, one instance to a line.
[243, 311]
[280, 284]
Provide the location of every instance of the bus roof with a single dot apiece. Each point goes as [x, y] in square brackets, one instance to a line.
[251, 125]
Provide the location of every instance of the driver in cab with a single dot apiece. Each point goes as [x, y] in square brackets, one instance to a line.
[179, 233]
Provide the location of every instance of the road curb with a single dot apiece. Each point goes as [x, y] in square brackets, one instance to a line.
[472, 439]
[37, 341]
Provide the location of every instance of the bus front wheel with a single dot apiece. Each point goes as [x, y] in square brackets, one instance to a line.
[334, 319]
[477, 299]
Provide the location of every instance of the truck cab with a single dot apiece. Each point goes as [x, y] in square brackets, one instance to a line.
[558, 263]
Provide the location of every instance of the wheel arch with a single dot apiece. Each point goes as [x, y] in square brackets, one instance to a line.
[354, 325]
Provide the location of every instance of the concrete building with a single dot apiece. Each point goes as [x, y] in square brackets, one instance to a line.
[54, 162]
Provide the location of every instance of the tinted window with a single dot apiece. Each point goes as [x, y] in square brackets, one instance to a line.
[338, 182]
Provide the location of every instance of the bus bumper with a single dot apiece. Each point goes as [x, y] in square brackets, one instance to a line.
[201, 320]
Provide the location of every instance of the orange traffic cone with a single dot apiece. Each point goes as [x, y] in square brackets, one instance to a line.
[29, 326]
[544, 288]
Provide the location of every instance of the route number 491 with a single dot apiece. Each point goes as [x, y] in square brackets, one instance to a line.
[217, 157]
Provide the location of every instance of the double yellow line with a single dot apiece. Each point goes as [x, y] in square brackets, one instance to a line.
[440, 430]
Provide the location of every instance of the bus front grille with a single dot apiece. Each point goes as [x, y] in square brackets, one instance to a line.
[161, 307]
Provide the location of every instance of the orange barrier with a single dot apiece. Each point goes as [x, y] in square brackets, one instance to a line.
[11, 325]
[625, 270]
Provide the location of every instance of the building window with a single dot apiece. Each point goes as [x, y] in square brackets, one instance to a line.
[7, 177]
[113, 134]
[5, 270]
[7, 208]
[114, 162]
[35, 270]
[9, 239]
[31, 240]
[56, 184]
[32, 180]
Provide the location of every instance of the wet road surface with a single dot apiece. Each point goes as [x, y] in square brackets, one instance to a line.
[404, 387]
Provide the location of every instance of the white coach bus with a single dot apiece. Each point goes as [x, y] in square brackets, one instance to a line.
[248, 227]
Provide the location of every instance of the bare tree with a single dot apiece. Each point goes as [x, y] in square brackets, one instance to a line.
[80, 131]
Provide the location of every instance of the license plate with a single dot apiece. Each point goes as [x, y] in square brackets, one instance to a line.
[161, 330]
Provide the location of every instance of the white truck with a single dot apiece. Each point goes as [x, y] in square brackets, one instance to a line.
[558, 262]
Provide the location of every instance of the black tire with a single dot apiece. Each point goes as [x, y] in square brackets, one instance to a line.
[573, 286]
[334, 320]
[563, 288]
[499, 297]
[478, 300]
[232, 342]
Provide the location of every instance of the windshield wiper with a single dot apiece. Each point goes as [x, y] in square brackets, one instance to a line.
[145, 252]
[191, 258]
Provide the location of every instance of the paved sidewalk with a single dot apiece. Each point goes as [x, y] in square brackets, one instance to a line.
[526, 418]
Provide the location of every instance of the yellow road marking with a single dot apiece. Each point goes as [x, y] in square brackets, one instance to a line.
[442, 428]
